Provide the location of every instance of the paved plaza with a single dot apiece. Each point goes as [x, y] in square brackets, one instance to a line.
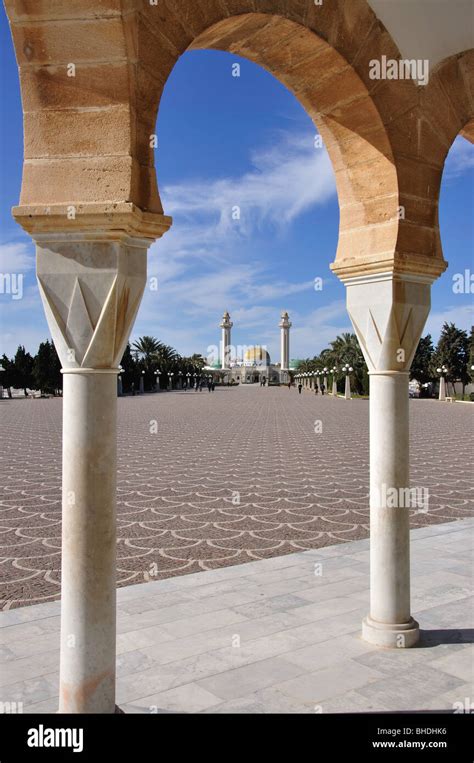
[276, 635]
[211, 480]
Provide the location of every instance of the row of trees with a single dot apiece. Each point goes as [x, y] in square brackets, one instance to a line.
[43, 371]
[146, 356]
[149, 355]
[344, 349]
[455, 350]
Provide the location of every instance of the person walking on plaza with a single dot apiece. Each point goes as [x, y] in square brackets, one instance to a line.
[316, 389]
[300, 387]
[322, 389]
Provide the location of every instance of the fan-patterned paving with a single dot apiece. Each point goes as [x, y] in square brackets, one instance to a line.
[209, 480]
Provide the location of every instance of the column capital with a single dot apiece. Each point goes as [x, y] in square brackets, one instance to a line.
[388, 312]
[91, 290]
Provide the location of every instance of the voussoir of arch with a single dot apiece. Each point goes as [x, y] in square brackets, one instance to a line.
[87, 136]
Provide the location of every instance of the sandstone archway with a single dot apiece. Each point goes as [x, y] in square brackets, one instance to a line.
[92, 73]
[87, 136]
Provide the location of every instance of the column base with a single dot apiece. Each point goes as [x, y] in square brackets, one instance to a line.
[391, 635]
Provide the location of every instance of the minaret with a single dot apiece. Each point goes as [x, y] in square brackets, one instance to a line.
[226, 326]
[285, 326]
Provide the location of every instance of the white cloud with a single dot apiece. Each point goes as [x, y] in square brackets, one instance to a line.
[285, 181]
[462, 316]
[460, 158]
[209, 262]
[16, 257]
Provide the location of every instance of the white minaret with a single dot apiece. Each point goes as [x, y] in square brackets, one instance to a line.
[285, 326]
[226, 326]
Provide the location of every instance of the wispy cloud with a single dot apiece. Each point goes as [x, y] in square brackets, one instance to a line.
[460, 159]
[461, 315]
[210, 261]
[286, 180]
[16, 257]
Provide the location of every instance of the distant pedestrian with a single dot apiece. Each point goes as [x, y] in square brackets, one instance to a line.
[316, 389]
[323, 388]
[289, 385]
[213, 386]
[300, 387]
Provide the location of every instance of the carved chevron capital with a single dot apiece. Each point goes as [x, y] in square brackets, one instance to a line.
[388, 314]
[91, 292]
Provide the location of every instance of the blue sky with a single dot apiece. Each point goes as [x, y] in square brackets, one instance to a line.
[227, 141]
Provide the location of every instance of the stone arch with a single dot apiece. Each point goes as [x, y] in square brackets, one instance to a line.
[87, 137]
[421, 140]
[92, 73]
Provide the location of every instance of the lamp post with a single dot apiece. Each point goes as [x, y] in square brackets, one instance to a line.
[170, 380]
[317, 385]
[119, 383]
[142, 382]
[334, 381]
[157, 380]
[325, 380]
[188, 380]
[195, 381]
[180, 380]
[442, 383]
[347, 370]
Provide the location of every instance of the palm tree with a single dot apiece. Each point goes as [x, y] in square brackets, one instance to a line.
[145, 348]
[166, 358]
[193, 364]
[346, 349]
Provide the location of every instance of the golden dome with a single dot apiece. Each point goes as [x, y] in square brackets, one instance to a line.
[257, 355]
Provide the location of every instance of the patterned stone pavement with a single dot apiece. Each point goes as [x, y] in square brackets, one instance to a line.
[211, 480]
[278, 635]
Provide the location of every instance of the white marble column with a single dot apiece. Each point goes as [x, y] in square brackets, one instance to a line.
[388, 313]
[91, 291]
[91, 273]
[87, 656]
